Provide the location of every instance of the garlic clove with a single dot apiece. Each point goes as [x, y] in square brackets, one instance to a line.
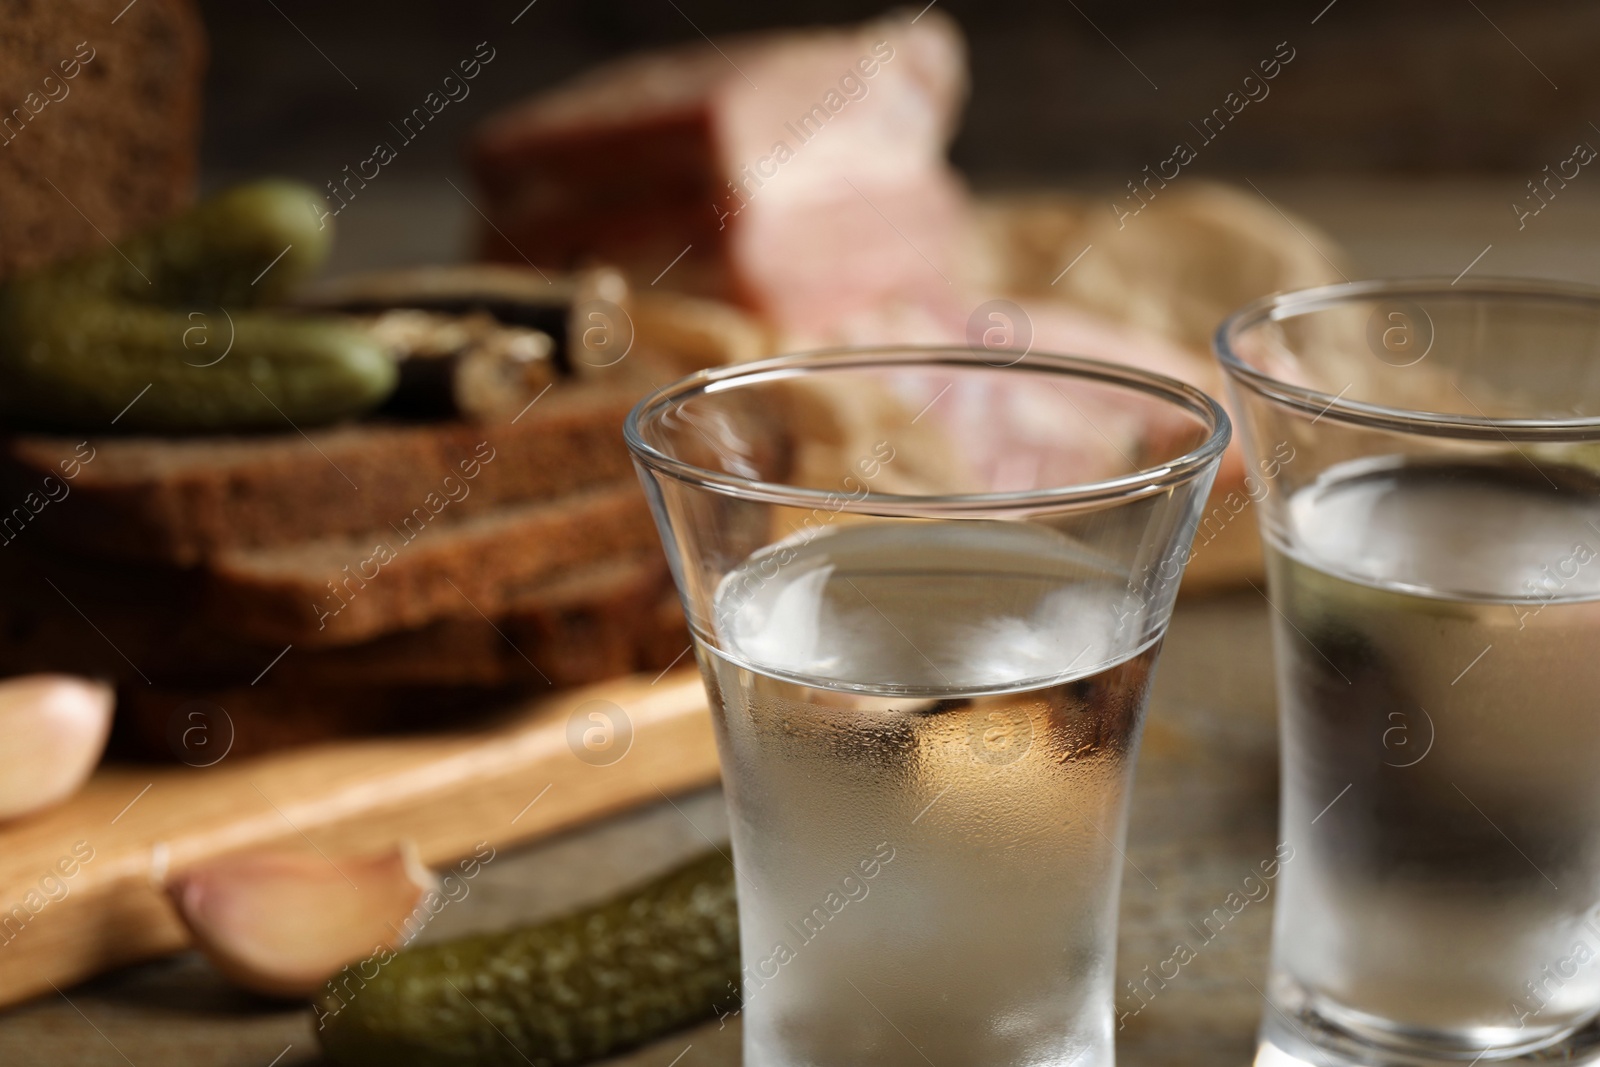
[282, 923]
[53, 729]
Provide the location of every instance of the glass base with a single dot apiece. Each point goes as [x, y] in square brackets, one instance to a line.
[1297, 1031]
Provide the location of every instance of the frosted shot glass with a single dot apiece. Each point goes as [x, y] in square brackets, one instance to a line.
[927, 593]
[1431, 546]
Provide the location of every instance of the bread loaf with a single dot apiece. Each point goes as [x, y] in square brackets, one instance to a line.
[99, 122]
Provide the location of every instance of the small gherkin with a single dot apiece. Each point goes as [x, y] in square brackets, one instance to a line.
[170, 331]
[566, 991]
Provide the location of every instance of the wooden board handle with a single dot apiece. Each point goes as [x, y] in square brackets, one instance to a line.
[550, 764]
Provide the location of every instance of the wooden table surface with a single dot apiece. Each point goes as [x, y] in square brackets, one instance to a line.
[1203, 818]
[1204, 812]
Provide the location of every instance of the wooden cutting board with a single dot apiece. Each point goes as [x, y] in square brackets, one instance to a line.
[548, 765]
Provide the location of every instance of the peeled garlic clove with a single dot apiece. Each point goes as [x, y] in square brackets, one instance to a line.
[283, 923]
[53, 728]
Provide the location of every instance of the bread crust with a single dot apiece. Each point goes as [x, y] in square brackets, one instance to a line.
[185, 500]
[588, 622]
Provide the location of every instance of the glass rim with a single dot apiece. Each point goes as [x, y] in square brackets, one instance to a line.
[1143, 482]
[1279, 306]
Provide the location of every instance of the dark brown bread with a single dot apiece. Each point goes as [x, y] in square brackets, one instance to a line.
[181, 500]
[142, 627]
[291, 707]
[339, 592]
[591, 623]
[99, 122]
[600, 622]
[154, 721]
[84, 617]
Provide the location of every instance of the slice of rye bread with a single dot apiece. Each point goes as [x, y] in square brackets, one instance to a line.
[591, 623]
[141, 626]
[99, 122]
[452, 671]
[345, 590]
[181, 500]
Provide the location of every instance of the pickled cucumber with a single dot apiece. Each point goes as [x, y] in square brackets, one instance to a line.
[165, 332]
[562, 992]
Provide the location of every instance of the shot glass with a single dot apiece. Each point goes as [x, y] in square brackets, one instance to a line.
[927, 592]
[1432, 522]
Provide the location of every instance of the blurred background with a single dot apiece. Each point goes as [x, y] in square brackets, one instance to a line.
[1406, 131]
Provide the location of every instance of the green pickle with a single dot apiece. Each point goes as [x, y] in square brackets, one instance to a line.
[166, 333]
[573, 989]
